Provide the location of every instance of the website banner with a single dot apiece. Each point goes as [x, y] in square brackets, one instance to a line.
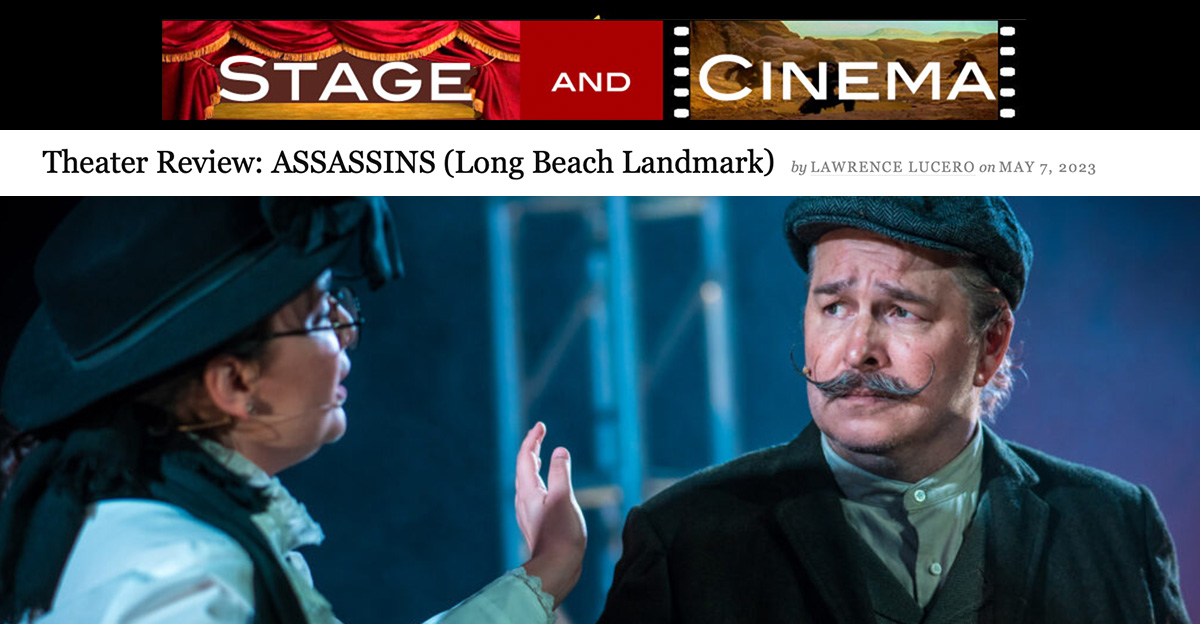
[595, 70]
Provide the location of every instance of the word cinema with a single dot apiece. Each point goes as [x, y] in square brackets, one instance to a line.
[816, 80]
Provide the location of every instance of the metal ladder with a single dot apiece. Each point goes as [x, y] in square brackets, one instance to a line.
[622, 370]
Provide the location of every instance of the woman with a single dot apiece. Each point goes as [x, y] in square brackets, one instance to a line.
[185, 352]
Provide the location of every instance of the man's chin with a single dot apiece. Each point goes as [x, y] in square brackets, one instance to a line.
[869, 447]
[866, 436]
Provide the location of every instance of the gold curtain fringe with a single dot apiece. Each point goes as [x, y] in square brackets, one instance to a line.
[251, 44]
[215, 99]
[245, 40]
[476, 103]
[198, 52]
[399, 56]
[340, 47]
[487, 49]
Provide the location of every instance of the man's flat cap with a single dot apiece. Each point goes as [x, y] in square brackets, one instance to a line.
[982, 228]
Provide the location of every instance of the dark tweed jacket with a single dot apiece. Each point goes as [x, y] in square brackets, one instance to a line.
[763, 539]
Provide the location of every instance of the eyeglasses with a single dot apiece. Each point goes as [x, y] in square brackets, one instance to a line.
[344, 318]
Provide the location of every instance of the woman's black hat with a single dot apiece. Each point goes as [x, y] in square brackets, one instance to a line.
[132, 287]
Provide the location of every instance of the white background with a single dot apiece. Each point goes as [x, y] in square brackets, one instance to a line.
[1126, 162]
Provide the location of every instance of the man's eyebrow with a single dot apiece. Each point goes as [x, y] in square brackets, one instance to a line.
[833, 288]
[900, 293]
[895, 291]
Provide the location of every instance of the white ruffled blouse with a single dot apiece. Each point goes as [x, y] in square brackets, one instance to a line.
[148, 562]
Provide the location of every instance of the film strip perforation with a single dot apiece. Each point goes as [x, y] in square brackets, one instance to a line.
[1008, 60]
[679, 40]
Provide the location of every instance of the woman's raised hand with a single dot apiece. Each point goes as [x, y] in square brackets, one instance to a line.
[550, 517]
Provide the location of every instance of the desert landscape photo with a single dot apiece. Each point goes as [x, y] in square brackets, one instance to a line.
[806, 44]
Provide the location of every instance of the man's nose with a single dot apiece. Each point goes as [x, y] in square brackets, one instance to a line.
[865, 348]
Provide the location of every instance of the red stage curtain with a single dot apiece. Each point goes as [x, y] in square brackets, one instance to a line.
[185, 37]
[497, 85]
[189, 80]
[397, 40]
[505, 37]
[192, 50]
[297, 40]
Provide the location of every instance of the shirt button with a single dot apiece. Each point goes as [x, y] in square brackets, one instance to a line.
[919, 496]
[935, 568]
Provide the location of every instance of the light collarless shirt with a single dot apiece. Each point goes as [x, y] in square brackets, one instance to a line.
[915, 529]
[148, 562]
[287, 526]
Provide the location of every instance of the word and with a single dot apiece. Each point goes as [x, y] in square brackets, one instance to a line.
[602, 83]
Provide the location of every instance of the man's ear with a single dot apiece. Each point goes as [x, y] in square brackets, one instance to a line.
[995, 345]
[230, 382]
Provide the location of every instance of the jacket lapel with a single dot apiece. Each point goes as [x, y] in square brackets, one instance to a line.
[1016, 532]
[811, 518]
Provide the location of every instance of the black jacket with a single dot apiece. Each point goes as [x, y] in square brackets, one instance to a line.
[763, 539]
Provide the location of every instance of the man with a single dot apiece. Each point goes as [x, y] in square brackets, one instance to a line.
[898, 504]
[964, 56]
